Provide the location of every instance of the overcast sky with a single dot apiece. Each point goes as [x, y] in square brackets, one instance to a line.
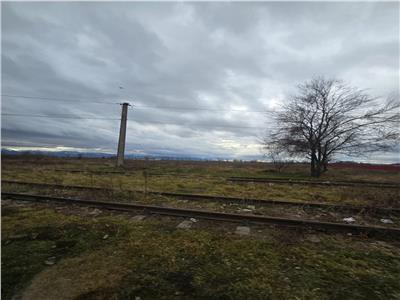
[226, 57]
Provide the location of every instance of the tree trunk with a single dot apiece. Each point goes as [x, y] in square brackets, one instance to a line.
[318, 167]
[315, 165]
[325, 160]
[312, 164]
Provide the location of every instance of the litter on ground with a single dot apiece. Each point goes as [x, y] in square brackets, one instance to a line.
[349, 220]
[387, 221]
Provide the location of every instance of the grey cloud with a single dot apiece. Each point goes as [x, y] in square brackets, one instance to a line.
[218, 55]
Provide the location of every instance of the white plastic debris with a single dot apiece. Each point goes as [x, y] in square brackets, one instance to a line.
[251, 206]
[193, 220]
[105, 237]
[138, 218]
[246, 210]
[242, 230]
[349, 220]
[387, 221]
[50, 261]
[185, 225]
[95, 212]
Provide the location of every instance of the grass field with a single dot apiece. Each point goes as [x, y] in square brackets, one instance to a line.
[204, 178]
[60, 252]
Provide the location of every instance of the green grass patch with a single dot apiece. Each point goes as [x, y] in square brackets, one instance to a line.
[154, 260]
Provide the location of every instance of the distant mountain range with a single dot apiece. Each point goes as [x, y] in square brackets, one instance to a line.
[151, 156]
[56, 153]
[101, 155]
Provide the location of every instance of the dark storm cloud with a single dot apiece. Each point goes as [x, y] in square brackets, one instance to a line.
[221, 56]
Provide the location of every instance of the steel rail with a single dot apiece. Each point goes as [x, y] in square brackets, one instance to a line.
[314, 182]
[215, 216]
[255, 179]
[195, 197]
[128, 172]
[91, 172]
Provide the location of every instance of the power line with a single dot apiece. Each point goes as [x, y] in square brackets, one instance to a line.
[135, 106]
[57, 99]
[200, 108]
[200, 125]
[57, 116]
[87, 100]
[60, 116]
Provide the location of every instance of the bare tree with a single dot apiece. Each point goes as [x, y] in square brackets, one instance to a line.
[328, 117]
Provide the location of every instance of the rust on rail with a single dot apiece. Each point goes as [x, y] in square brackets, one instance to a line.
[198, 197]
[217, 216]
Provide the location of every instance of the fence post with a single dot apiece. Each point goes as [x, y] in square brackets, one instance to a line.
[145, 174]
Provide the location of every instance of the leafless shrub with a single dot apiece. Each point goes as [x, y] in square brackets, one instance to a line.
[276, 156]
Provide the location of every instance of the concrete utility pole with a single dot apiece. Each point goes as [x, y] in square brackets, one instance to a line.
[122, 134]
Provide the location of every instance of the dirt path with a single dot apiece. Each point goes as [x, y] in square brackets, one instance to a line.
[71, 278]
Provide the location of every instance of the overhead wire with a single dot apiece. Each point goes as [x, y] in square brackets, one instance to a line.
[134, 105]
[80, 100]
[190, 124]
[137, 121]
[64, 116]
[58, 116]
[199, 108]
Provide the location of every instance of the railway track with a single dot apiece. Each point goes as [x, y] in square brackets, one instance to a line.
[215, 216]
[197, 197]
[137, 171]
[315, 182]
[252, 179]
[353, 183]
[91, 171]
